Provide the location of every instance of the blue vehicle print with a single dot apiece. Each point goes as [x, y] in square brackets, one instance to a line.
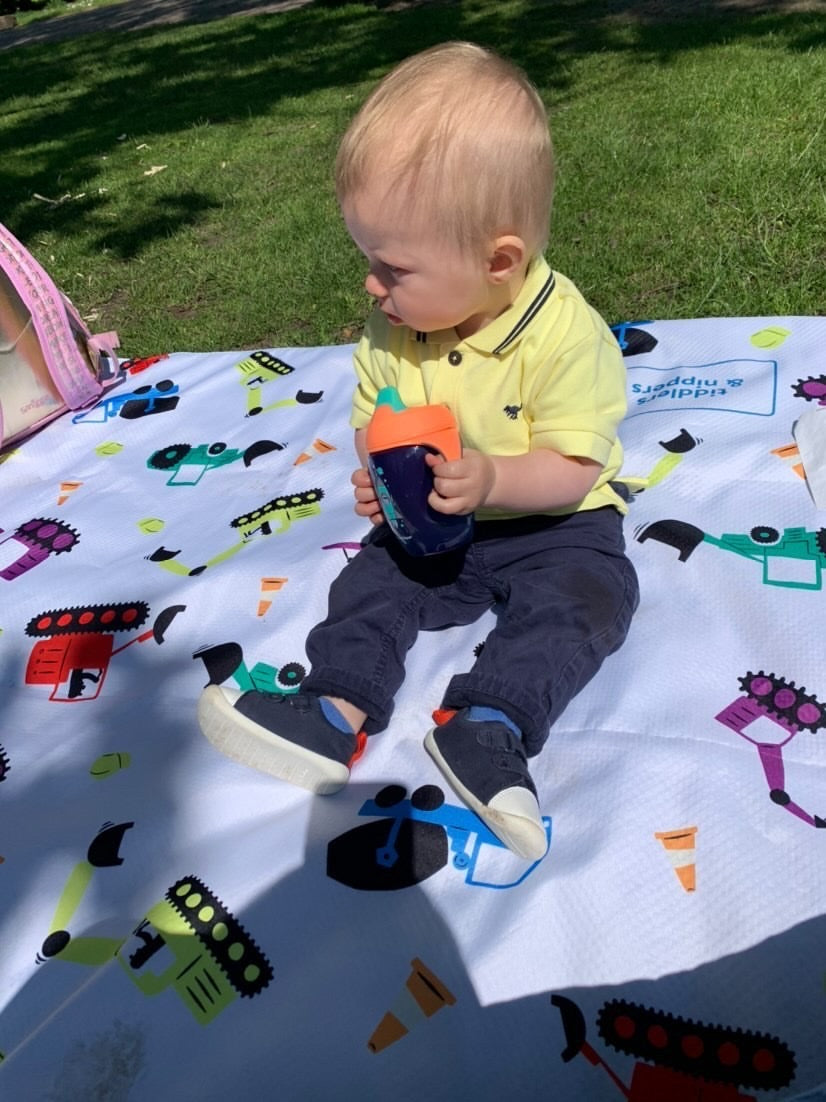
[141, 402]
[413, 838]
[632, 340]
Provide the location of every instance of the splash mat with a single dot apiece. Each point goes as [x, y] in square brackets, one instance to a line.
[175, 926]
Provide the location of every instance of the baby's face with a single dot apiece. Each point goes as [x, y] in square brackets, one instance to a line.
[416, 278]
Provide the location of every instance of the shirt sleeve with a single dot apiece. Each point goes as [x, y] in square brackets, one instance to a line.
[579, 398]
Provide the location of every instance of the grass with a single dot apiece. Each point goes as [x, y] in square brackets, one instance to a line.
[176, 181]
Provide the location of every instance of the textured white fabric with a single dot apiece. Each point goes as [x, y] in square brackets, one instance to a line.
[112, 799]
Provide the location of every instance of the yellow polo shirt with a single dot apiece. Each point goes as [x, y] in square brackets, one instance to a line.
[547, 373]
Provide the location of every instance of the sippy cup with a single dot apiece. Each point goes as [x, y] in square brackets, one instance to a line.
[398, 438]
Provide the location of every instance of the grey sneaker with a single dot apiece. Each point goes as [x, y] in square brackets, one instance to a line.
[285, 735]
[485, 764]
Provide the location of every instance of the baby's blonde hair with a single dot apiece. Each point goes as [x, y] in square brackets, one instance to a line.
[460, 135]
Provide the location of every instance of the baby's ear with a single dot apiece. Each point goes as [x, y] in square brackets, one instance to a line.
[508, 256]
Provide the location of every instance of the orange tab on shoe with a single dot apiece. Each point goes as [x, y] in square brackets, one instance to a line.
[442, 715]
[361, 746]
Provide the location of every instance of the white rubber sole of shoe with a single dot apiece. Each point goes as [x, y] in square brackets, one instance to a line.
[520, 827]
[248, 743]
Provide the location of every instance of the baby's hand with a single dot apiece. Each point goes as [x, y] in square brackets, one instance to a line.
[367, 504]
[461, 485]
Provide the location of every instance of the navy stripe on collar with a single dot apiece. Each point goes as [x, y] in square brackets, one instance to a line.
[529, 315]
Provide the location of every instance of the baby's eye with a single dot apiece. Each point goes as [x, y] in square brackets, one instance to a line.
[394, 270]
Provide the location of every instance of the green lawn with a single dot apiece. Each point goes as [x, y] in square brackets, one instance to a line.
[177, 182]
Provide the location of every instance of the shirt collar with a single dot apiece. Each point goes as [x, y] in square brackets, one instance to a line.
[497, 336]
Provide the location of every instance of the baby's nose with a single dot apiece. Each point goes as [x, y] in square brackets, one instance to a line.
[374, 286]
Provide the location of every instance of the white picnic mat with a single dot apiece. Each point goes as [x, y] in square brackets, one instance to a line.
[174, 926]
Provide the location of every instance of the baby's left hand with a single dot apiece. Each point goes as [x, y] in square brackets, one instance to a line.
[460, 485]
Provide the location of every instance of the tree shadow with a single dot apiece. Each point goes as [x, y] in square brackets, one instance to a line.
[322, 1024]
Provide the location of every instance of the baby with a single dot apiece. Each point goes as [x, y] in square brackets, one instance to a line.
[445, 182]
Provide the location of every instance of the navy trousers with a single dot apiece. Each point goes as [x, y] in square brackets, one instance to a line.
[562, 589]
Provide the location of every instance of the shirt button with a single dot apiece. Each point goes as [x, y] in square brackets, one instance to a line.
[454, 358]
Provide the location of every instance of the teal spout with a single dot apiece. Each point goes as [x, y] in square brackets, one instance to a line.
[389, 396]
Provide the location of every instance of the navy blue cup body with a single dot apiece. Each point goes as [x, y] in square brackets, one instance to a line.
[403, 482]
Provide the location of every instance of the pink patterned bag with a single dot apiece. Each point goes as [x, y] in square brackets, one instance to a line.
[49, 361]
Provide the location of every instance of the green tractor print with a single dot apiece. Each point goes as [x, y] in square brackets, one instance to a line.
[794, 559]
[226, 660]
[272, 519]
[188, 463]
[260, 368]
[187, 942]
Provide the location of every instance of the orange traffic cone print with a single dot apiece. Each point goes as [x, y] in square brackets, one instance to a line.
[421, 997]
[66, 489]
[679, 844]
[269, 585]
[318, 445]
[790, 454]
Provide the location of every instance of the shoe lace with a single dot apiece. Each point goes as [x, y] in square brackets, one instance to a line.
[301, 702]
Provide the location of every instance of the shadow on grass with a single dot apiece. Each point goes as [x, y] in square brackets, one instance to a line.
[164, 80]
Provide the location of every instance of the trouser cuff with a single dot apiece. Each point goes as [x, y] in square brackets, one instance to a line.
[358, 691]
[463, 692]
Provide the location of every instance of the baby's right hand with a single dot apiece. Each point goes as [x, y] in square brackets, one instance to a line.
[367, 504]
